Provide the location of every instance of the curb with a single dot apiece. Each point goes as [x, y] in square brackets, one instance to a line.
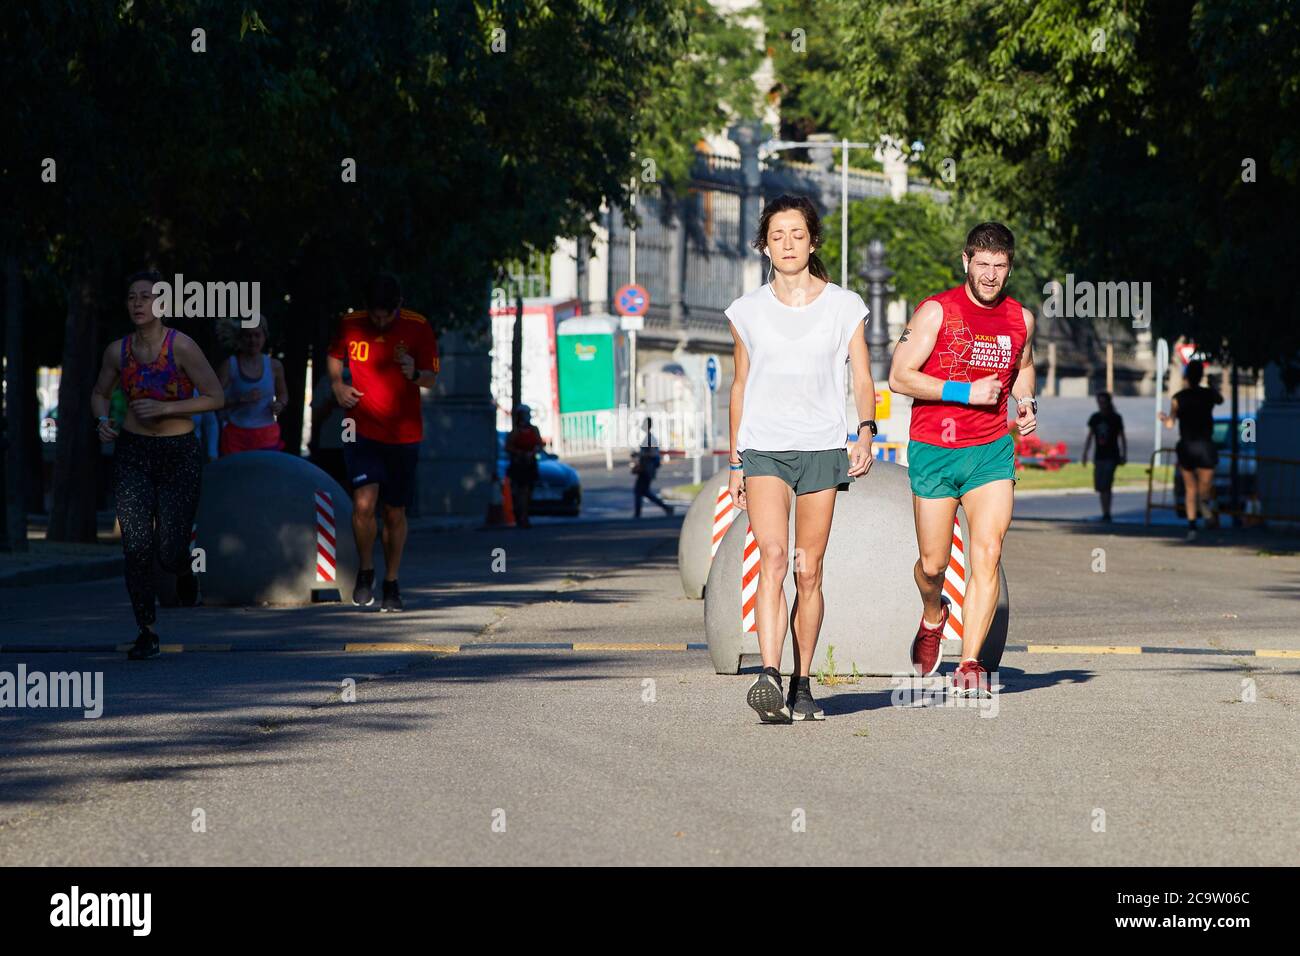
[64, 572]
[420, 647]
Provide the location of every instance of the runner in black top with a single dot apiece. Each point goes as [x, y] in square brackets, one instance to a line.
[1106, 428]
[1193, 408]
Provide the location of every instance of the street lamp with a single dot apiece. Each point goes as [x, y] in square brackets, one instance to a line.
[877, 275]
[776, 145]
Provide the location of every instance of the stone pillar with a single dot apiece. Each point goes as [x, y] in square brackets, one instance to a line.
[459, 453]
[748, 137]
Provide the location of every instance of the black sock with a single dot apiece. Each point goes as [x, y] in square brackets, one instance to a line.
[804, 681]
[773, 673]
[1191, 525]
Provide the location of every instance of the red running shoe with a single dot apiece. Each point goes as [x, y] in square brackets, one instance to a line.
[928, 642]
[971, 680]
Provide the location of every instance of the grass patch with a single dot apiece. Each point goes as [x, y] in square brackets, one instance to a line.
[828, 677]
[1075, 475]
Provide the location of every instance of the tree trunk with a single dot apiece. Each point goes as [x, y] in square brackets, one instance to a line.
[76, 456]
[17, 411]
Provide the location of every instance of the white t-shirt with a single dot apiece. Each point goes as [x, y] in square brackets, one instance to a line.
[798, 356]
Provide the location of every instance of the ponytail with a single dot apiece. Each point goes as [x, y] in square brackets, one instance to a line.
[817, 267]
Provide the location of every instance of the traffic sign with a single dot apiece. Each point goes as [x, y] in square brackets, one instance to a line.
[631, 300]
[711, 372]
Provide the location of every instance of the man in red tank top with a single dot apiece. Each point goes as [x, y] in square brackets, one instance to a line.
[960, 356]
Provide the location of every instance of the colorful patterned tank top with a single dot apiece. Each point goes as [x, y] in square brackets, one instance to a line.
[162, 379]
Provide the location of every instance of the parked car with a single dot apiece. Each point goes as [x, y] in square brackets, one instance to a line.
[558, 490]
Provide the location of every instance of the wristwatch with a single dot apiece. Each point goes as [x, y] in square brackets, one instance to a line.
[872, 422]
[1033, 403]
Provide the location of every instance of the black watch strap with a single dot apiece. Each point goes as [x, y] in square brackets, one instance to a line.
[871, 422]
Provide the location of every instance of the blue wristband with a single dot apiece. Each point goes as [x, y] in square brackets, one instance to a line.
[956, 392]
[735, 467]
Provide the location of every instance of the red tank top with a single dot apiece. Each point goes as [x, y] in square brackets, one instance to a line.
[162, 379]
[973, 342]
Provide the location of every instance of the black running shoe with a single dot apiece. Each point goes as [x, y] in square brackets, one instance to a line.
[801, 703]
[392, 597]
[145, 647]
[187, 590]
[766, 697]
[363, 595]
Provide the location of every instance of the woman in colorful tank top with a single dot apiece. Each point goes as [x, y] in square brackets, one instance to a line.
[157, 459]
[255, 391]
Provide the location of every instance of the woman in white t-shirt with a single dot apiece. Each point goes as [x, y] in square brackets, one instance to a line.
[795, 336]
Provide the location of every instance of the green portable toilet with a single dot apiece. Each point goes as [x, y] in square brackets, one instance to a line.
[592, 363]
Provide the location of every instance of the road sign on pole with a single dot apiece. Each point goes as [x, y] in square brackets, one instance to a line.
[711, 372]
[631, 300]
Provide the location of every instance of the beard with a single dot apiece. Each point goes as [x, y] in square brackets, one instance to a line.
[978, 293]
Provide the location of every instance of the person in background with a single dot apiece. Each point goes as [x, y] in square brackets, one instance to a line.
[522, 445]
[645, 465]
[392, 353]
[327, 422]
[1106, 428]
[208, 431]
[255, 394]
[1193, 409]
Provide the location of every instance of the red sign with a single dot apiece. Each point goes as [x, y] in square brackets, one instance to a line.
[1185, 352]
[631, 300]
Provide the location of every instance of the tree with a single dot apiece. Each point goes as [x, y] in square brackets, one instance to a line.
[1122, 128]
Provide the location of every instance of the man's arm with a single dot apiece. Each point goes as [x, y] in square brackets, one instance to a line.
[913, 348]
[1026, 377]
[1087, 447]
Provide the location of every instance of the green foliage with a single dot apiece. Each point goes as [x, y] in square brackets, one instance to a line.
[923, 243]
[1114, 130]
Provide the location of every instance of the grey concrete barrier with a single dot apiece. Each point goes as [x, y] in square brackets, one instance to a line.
[871, 605]
[695, 542]
[265, 541]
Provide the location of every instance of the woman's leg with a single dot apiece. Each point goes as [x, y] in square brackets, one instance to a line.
[1205, 491]
[768, 500]
[179, 482]
[812, 529]
[133, 488]
[1189, 492]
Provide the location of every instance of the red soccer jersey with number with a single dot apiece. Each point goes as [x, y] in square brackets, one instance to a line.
[973, 342]
[389, 410]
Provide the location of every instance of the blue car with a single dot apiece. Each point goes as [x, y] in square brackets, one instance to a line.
[558, 490]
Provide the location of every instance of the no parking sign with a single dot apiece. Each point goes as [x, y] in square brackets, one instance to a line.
[631, 300]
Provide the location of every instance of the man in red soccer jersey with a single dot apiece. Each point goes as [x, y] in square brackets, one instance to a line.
[391, 353]
[960, 355]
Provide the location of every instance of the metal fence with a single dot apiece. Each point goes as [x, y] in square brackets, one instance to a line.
[1268, 488]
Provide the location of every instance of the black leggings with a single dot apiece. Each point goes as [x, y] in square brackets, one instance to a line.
[156, 483]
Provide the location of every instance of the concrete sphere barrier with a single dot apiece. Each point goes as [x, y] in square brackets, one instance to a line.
[871, 605]
[695, 546]
[267, 535]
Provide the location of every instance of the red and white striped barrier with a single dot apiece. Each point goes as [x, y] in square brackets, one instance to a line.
[325, 535]
[194, 537]
[954, 582]
[749, 584]
[724, 513]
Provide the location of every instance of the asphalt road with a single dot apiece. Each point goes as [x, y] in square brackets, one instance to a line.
[498, 754]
